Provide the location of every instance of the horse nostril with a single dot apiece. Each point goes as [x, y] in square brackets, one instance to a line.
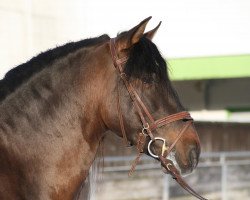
[193, 155]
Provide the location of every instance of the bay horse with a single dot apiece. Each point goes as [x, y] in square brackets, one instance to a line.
[56, 109]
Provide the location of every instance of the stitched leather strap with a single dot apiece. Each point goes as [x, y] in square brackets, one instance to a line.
[139, 105]
[166, 153]
[169, 166]
[171, 118]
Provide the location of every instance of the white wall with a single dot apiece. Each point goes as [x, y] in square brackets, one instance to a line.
[190, 28]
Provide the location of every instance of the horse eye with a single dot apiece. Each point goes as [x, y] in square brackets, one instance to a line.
[185, 120]
[147, 80]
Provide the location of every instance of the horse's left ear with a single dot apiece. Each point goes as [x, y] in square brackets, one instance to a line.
[151, 34]
[127, 39]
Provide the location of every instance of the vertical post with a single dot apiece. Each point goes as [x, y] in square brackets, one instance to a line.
[223, 177]
[165, 193]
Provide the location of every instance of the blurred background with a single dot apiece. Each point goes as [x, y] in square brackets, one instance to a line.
[207, 47]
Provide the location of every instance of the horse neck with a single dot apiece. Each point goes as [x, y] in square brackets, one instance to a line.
[58, 108]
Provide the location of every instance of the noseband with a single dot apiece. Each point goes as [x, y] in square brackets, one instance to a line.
[150, 125]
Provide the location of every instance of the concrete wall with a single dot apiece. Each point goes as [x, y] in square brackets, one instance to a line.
[28, 27]
[190, 28]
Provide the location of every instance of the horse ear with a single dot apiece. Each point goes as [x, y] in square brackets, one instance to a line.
[127, 39]
[151, 34]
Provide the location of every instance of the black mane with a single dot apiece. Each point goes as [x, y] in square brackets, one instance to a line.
[20, 74]
[145, 61]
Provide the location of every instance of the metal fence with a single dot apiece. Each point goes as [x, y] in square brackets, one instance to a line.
[219, 175]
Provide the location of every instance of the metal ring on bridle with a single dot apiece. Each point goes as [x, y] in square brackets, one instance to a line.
[150, 143]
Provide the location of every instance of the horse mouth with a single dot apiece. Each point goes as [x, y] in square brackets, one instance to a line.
[184, 168]
[171, 156]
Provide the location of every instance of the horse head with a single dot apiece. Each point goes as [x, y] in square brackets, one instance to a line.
[142, 106]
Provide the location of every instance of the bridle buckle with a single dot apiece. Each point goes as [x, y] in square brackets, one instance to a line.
[145, 129]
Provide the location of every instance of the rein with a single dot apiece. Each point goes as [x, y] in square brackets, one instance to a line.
[150, 125]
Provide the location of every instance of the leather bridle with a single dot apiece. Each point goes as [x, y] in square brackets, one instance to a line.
[149, 124]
